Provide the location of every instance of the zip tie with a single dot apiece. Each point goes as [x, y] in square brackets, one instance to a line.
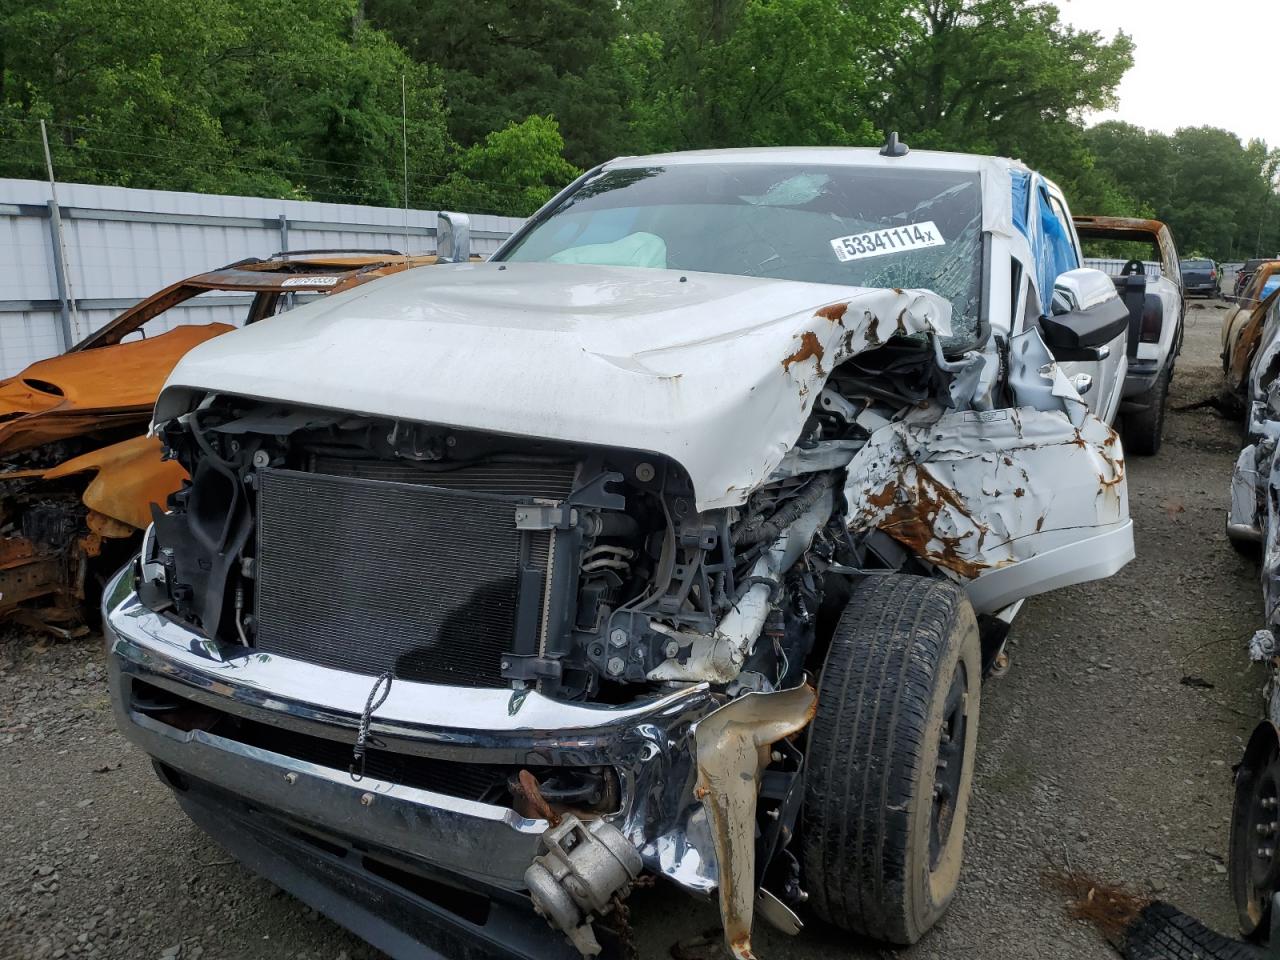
[362, 735]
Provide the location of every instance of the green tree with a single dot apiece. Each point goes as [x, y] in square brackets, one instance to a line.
[1217, 195]
[1002, 77]
[271, 97]
[513, 171]
[719, 73]
[505, 61]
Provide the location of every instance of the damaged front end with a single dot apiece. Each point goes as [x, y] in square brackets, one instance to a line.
[482, 668]
[565, 642]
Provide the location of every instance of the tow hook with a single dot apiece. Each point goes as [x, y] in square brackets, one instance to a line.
[579, 869]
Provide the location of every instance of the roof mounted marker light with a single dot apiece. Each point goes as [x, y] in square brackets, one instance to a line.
[893, 147]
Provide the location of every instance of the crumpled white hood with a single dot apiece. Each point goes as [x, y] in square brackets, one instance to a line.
[717, 372]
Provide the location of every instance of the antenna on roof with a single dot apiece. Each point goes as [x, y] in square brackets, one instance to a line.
[893, 147]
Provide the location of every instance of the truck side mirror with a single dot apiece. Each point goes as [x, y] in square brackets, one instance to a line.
[453, 237]
[1087, 315]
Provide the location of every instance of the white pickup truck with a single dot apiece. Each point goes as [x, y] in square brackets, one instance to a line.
[676, 538]
[1149, 280]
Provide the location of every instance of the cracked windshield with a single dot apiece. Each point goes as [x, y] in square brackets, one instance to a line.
[851, 226]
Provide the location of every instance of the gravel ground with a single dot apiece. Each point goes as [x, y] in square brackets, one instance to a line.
[1096, 754]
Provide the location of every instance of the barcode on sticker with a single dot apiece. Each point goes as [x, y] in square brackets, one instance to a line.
[310, 282]
[878, 243]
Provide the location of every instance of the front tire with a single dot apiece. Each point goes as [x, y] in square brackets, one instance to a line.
[890, 759]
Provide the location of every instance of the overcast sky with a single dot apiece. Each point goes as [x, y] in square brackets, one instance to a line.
[1195, 64]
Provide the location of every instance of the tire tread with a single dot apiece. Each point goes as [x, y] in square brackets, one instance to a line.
[874, 700]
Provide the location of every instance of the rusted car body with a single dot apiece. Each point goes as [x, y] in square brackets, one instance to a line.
[618, 553]
[1150, 285]
[1242, 329]
[77, 475]
[1253, 528]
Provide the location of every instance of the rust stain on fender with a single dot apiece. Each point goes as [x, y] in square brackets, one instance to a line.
[835, 312]
[78, 393]
[913, 522]
[809, 347]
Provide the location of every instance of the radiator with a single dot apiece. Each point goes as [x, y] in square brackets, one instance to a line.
[376, 575]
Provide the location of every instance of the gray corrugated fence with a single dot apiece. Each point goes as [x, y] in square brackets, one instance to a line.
[124, 244]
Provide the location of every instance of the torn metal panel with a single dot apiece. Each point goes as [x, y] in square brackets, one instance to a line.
[717, 372]
[978, 491]
[733, 748]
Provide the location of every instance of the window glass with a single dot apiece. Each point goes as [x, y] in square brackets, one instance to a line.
[868, 227]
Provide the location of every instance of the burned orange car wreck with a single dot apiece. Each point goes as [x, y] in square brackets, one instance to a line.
[78, 475]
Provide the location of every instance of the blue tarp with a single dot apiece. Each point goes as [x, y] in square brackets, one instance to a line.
[1049, 237]
[1021, 184]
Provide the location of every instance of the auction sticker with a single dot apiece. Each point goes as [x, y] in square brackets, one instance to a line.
[877, 243]
[310, 282]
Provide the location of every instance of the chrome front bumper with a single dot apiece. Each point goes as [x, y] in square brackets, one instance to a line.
[650, 745]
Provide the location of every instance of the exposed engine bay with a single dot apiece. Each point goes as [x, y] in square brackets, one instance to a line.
[608, 577]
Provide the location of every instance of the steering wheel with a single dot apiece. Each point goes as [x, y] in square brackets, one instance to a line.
[1133, 266]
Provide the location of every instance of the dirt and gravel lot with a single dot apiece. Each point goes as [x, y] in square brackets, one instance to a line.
[1108, 748]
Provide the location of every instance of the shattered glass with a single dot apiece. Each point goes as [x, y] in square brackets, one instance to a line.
[780, 221]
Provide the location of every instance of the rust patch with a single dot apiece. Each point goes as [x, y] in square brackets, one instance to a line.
[884, 497]
[1008, 462]
[873, 327]
[809, 347]
[914, 521]
[526, 788]
[835, 313]
[1019, 492]
[1040, 524]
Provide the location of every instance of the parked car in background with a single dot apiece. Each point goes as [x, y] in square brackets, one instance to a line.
[513, 585]
[78, 477]
[1150, 283]
[1245, 274]
[1200, 276]
[1227, 277]
[1243, 330]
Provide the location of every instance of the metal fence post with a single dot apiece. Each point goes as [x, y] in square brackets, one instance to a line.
[70, 316]
[60, 278]
[284, 232]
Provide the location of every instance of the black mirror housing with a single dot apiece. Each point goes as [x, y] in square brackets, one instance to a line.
[1087, 329]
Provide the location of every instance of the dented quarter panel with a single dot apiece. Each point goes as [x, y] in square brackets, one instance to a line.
[716, 372]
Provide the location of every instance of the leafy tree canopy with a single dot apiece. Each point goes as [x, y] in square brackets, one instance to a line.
[505, 102]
